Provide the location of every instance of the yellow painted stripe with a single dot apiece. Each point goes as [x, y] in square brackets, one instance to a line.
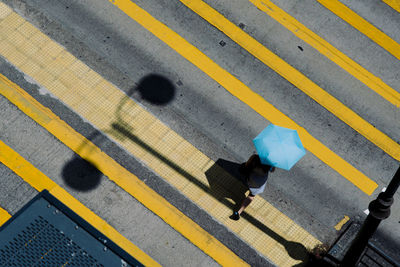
[115, 172]
[39, 181]
[395, 4]
[342, 222]
[4, 216]
[244, 93]
[363, 26]
[295, 77]
[328, 50]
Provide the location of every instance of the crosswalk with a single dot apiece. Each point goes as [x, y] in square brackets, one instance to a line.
[267, 57]
[328, 50]
[173, 158]
[363, 26]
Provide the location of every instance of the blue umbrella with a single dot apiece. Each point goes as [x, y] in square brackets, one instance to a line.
[279, 147]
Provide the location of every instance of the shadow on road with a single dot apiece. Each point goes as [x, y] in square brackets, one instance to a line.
[232, 187]
[155, 89]
[80, 173]
[227, 190]
[83, 175]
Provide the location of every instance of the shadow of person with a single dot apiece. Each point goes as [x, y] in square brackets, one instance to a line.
[224, 186]
[231, 167]
[226, 182]
[156, 89]
[81, 175]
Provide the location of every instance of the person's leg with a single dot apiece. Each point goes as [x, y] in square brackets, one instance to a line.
[236, 214]
[246, 202]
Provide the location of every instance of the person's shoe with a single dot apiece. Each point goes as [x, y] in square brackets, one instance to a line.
[235, 216]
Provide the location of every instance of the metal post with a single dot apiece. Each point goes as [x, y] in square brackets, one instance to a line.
[379, 209]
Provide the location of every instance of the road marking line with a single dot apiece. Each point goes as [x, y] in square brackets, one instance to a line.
[395, 4]
[4, 216]
[157, 146]
[244, 93]
[295, 77]
[328, 50]
[363, 26]
[115, 172]
[342, 222]
[35, 178]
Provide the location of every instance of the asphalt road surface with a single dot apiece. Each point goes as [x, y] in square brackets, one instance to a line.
[206, 110]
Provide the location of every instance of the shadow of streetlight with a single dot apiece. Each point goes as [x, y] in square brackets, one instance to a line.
[156, 89]
[80, 173]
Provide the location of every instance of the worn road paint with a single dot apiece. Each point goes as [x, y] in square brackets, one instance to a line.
[342, 222]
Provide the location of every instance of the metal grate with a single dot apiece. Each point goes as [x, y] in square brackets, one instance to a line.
[42, 244]
[47, 233]
[374, 257]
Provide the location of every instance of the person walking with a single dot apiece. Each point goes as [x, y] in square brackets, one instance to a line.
[255, 178]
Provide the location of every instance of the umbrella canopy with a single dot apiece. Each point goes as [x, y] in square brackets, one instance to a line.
[279, 147]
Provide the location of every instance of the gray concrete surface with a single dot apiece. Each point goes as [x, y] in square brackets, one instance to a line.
[214, 121]
[15, 192]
